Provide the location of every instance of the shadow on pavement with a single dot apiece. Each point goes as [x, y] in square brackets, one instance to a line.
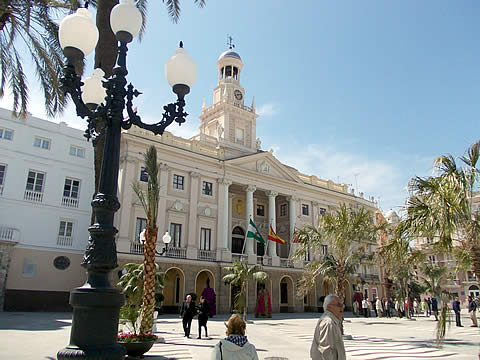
[34, 321]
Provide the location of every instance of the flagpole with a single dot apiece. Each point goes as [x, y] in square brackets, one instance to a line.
[245, 240]
[266, 246]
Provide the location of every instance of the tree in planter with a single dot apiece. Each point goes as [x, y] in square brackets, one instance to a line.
[347, 231]
[149, 201]
[238, 275]
[132, 285]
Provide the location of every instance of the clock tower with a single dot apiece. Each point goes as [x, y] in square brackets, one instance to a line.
[228, 121]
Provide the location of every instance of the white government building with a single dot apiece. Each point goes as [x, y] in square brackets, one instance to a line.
[211, 185]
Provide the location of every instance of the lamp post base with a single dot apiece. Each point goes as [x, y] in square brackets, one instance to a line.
[94, 325]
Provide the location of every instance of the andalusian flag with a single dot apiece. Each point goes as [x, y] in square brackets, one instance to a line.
[274, 237]
[252, 232]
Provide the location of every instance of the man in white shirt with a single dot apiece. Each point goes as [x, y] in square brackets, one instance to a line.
[328, 340]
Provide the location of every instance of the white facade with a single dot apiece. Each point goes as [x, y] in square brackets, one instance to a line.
[46, 184]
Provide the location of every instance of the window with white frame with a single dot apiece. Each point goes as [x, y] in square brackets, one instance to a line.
[176, 234]
[65, 231]
[140, 225]
[3, 171]
[77, 151]
[324, 250]
[207, 188]
[283, 210]
[35, 181]
[205, 239]
[6, 134]
[322, 211]
[260, 210]
[178, 182]
[305, 209]
[143, 174]
[71, 190]
[432, 259]
[42, 143]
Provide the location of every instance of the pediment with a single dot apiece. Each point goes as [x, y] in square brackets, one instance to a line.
[266, 164]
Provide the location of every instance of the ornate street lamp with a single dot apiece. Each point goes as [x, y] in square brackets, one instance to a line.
[166, 240]
[96, 304]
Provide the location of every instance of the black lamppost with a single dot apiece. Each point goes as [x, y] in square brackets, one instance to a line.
[96, 304]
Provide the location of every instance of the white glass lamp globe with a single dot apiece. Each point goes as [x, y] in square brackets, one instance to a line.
[78, 31]
[166, 238]
[93, 91]
[126, 17]
[180, 69]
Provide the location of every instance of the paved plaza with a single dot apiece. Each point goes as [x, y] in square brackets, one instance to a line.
[40, 335]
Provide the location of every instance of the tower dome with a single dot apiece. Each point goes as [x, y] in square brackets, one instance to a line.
[392, 217]
[230, 53]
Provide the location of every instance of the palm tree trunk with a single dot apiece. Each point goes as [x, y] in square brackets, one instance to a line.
[148, 304]
[476, 260]
[340, 289]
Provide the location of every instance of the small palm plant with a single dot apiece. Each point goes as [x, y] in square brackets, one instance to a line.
[149, 201]
[132, 285]
[238, 275]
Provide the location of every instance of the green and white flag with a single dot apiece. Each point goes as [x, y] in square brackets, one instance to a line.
[252, 232]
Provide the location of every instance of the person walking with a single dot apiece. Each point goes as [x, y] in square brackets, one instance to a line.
[187, 313]
[434, 307]
[456, 309]
[429, 306]
[355, 307]
[235, 346]
[374, 307]
[415, 307]
[203, 312]
[365, 307]
[327, 341]
[378, 307]
[472, 309]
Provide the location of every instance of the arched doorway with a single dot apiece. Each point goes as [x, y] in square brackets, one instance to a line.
[474, 291]
[310, 300]
[205, 286]
[173, 290]
[264, 295]
[286, 294]
[238, 238]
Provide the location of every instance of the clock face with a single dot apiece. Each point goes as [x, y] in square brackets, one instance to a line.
[238, 95]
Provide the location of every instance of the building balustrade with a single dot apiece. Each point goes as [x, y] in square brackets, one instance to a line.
[34, 196]
[69, 202]
[179, 253]
[136, 247]
[286, 263]
[259, 260]
[9, 234]
[239, 257]
[207, 255]
[267, 260]
[66, 241]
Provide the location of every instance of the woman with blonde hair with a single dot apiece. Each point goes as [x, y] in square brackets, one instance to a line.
[235, 346]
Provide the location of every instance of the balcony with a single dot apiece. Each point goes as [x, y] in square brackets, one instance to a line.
[66, 241]
[267, 260]
[35, 196]
[286, 263]
[136, 248]
[9, 234]
[207, 255]
[69, 202]
[239, 257]
[179, 253]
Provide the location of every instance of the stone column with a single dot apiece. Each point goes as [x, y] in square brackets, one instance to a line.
[249, 189]
[223, 252]
[192, 247]
[162, 220]
[292, 213]
[230, 212]
[123, 218]
[272, 220]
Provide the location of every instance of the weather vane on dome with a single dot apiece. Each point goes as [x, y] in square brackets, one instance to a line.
[230, 42]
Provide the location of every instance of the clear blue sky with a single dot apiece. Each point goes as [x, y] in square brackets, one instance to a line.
[362, 92]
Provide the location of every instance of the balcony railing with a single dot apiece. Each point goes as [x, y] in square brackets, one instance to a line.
[207, 255]
[64, 240]
[259, 260]
[267, 260]
[9, 234]
[136, 248]
[68, 201]
[239, 257]
[286, 263]
[35, 196]
[179, 253]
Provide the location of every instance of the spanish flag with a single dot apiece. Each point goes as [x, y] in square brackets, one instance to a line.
[274, 237]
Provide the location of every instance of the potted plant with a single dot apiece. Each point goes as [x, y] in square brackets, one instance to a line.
[135, 341]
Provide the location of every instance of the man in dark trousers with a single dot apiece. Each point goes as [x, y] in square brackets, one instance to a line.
[187, 313]
[429, 307]
[435, 308]
[456, 309]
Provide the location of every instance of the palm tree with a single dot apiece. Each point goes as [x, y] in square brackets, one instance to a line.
[348, 232]
[238, 275]
[440, 207]
[434, 277]
[149, 201]
[29, 27]
[132, 285]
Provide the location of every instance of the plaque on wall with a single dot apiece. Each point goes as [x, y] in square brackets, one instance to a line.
[61, 262]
